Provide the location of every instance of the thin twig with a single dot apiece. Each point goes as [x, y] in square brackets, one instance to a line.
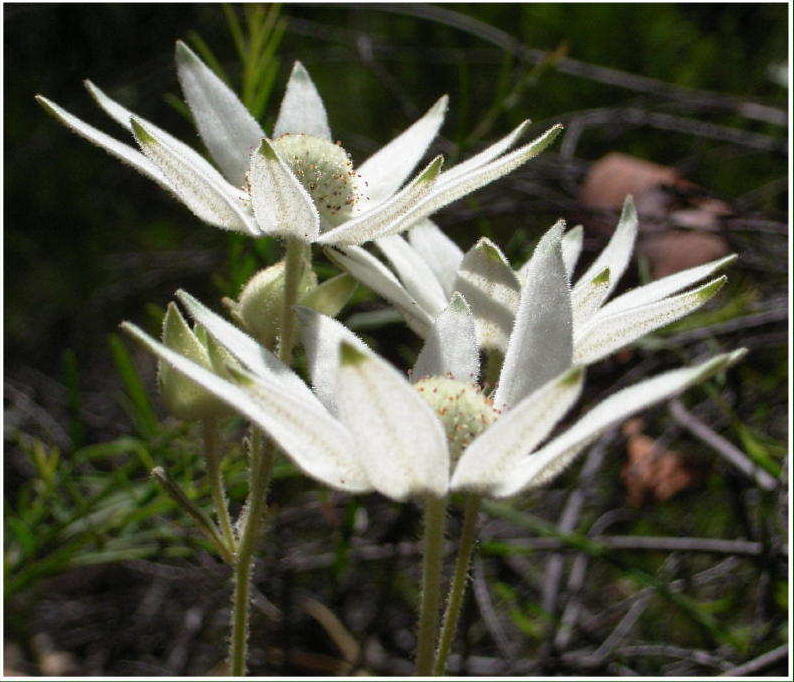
[723, 447]
[758, 664]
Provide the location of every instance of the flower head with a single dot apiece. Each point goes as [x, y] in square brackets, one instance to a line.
[365, 426]
[298, 183]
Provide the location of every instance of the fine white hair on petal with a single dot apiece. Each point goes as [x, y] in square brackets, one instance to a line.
[492, 289]
[383, 173]
[281, 204]
[607, 332]
[225, 125]
[541, 466]
[451, 346]
[541, 343]
[302, 109]
[442, 254]
[400, 442]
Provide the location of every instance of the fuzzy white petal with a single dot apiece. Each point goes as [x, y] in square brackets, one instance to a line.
[111, 145]
[617, 252]
[489, 462]
[540, 467]
[124, 116]
[399, 440]
[665, 286]
[280, 203]
[439, 251]
[444, 192]
[386, 170]
[572, 248]
[307, 433]
[385, 218]
[451, 346]
[607, 332]
[541, 344]
[587, 298]
[302, 109]
[258, 359]
[492, 289]
[486, 155]
[208, 199]
[372, 273]
[414, 273]
[225, 125]
[321, 336]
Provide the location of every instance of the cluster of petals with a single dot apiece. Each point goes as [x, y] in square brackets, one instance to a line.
[363, 425]
[255, 191]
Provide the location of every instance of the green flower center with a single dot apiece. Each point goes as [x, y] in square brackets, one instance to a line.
[462, 408]
[325, 171]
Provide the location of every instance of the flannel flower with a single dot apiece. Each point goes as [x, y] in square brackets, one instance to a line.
[366, 427]
[427, 267]
[299, 183]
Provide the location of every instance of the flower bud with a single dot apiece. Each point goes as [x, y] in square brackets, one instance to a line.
[258, 310]
[182, 397]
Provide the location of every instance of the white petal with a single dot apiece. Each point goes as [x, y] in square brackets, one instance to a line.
[314, 440]
[617, 252]
[540, 467]
[486, 155]
[225, 125]
[444, 192]
[121, 151]
[124, 117]
[541, 345]
[386, 170]
[451, 346]
[302, 109]
[491, 288]
[400, 442]
[665, 286]
[384, 219]
[280, 203]
[587, 298]
[255, 357]
[372, 273]
[489, 462]
[572, 248]
[605, 333]
[439, 251]
[321, 336]
[207, 199]
[416, 275]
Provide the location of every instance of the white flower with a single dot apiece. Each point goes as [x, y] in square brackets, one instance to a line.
[298, 184]
[427, 267]
[365, 427]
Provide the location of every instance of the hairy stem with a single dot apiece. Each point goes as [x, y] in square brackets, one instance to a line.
[261, 471]
[432, 559]
[460, 580]
[217, 489]
[295, 265]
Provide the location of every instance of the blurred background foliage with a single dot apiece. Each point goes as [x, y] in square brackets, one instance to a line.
[89, 243]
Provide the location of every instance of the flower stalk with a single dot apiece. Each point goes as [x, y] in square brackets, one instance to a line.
[460, 580]
[296, 262]
[215, 480]
[432, 560]
[261, 472]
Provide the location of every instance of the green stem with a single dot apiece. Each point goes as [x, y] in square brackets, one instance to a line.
[203, 521]
[433, 554]
[261, 471]
[297, 259]
[217, 489]
[457, 590]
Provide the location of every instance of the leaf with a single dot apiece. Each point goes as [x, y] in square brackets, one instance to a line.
[143, 413]
[331, 296]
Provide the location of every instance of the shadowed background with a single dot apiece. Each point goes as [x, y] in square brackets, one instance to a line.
[681, 105]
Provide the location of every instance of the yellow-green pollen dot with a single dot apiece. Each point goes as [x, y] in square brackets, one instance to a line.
[326, 172]
[462, 408]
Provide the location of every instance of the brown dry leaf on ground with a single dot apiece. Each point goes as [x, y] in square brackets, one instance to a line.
[652, 473]
[665, 200]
